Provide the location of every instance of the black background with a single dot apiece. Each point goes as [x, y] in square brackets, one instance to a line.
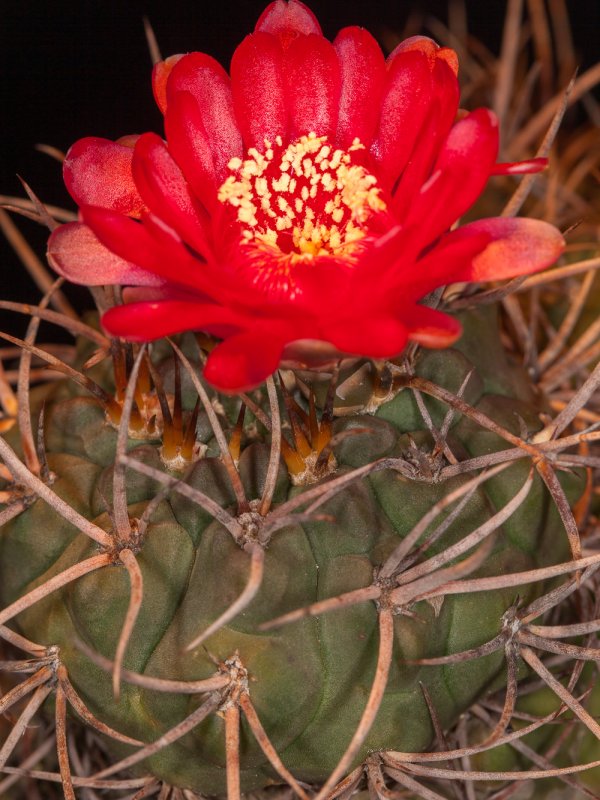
[83, 69]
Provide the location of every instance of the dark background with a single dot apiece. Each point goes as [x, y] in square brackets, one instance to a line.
[83, 69]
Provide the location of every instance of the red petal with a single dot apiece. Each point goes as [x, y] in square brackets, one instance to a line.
[450, 57]
[142, 322]
[362, 69]
[208, 82]
[160, 76]
[430, 48]
[133, 242]
[380, 337]
[257, 87]
[189, 146]
[243, 361]
[165, 190]
[520, 167]
[430, 327]
[98, 172]
[313, 86]
[486, 250]
[460, 174]
[157, 294]
[406, 99]
[440, 117]
[76, 254]
[287, 20]
[518, 247]
[422, 44]
[446, 263]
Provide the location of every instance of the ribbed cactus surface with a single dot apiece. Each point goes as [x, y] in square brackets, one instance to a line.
[308, 680]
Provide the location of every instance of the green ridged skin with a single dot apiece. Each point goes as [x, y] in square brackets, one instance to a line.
[309, 681]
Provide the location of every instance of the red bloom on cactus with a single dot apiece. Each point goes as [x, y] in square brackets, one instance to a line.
[298, 208]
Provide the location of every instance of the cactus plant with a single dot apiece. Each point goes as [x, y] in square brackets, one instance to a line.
[305, 501]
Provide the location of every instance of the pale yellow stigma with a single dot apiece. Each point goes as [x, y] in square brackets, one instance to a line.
[305, 200]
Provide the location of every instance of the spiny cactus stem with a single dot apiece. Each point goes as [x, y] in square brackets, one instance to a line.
[561, 648]
[217, 682]
[62, 579]
[60, 715]
[559, 341]
[23, 383]
[397, 759]
[574, 361]
[29, 209]
[465, 491]
[232, 751]
[25, 666]
[40, 694]
[12, 511]
[9, 405]
[153, 504]
[425, 579]
[266, 746]
[177, 485]
[563, 631]
[413, 592]
[562, 504]
[323, 492]
[514, 579]
[40, 312]
[583, 84]
[103, 397]
[423, 792]
[511, 653]
[121, 515]
[501, 776]
[188, 724]
[375, 777]
[545, 762]
[447, 422]
[471, 540]
[384, 660]
[573, 407]
[441, 445]
[255, 576]
[347, 787]
[456, 402]
[34, 266]
[232, 472]
[21, 473]
[505, 457]
[508, 58]
[44, 216]
[86, 783]
[544, 469]
[41, 676]
[151, 41]
[560, 273]
[256, 410]
[515, 203]
[21, 642]
[275, 451]
[363, 595]
[35, 757]
[136, 595]
[83, 711]
[235, 440]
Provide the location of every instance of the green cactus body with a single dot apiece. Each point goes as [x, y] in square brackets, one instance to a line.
[309, 680]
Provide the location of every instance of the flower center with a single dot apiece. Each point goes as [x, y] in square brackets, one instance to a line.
[303, 200]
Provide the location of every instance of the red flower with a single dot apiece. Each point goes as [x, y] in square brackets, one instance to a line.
[298, 209]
